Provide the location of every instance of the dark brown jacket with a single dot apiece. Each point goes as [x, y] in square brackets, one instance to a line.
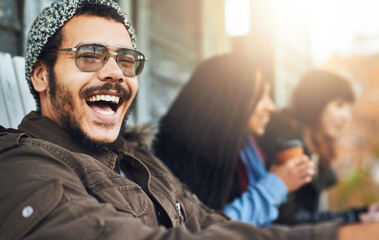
[52, 188]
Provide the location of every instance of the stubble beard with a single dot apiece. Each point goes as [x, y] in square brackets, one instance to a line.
[61, 99]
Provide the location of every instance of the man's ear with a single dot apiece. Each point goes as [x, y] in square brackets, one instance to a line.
[40, 77]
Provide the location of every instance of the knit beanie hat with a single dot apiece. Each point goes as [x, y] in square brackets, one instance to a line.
[52, 19]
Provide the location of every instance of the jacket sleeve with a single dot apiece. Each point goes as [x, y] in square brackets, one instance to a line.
[346, 217]
[42, 198]
[258, 205]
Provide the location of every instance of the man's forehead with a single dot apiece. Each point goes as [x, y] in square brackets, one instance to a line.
[94, 29]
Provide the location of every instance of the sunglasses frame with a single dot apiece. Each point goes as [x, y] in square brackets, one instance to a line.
[116, 54]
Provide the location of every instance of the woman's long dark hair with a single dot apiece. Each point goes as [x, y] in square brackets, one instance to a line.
[315, 90]
[201, 135]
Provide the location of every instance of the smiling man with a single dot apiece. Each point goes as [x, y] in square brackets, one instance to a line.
[94, 76]
[70, 171]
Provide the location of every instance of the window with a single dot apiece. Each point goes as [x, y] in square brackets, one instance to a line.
[11, 27]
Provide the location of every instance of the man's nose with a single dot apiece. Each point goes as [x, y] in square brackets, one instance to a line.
[111, 71]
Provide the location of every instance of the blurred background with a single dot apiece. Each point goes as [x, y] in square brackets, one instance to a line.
[285, 37]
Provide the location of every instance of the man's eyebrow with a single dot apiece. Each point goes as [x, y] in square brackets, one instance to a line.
[104, 44]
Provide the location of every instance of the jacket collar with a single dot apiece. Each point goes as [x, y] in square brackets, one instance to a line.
[44, 128]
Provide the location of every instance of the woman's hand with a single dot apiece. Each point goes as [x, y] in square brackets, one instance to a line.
[295, 172]
[372, 215]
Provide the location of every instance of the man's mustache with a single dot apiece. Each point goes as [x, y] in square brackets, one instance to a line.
[125, 94]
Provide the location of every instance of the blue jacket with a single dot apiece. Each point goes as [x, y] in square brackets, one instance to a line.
[258, 205]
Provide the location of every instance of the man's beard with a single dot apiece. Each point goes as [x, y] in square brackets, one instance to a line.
[61, 99]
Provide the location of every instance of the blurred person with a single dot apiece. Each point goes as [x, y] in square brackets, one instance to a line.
[207, 139]
[320, 109]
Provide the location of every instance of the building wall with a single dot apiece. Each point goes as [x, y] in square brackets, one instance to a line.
[175, 42]
[176, 36]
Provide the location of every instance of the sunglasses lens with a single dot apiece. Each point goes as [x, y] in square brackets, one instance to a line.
[130, 61]
[91, 57]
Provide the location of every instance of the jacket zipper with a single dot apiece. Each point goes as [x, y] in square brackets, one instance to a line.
[179, 210]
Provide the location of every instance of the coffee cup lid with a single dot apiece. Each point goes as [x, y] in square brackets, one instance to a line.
[287, 144]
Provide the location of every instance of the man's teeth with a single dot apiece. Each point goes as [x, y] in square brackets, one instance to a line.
[107, 98]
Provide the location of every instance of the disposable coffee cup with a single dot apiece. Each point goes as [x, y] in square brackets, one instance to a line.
[288, 150]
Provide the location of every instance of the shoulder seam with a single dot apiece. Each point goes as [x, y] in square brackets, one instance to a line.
[51, 148]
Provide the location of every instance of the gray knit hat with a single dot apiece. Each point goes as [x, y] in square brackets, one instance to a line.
[54, 17]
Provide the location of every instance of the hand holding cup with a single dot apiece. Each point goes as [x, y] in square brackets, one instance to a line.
[288, 150]
[294, 168]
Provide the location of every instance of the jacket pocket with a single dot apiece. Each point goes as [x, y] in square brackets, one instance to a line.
[129, 199]
[34, 205]
[136, 198]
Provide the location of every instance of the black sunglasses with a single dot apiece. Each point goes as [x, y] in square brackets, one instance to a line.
[91, 57]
